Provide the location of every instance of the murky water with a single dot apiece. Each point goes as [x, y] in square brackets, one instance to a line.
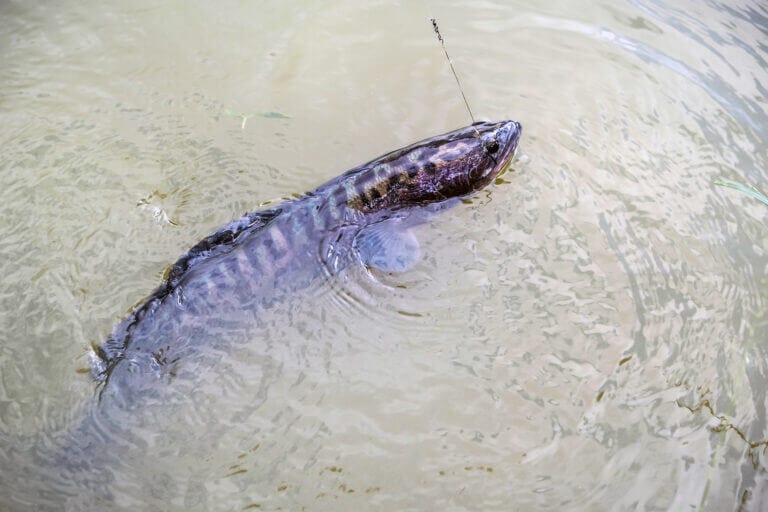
[588, 334]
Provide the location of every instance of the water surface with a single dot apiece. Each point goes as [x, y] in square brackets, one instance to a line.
[587, 334]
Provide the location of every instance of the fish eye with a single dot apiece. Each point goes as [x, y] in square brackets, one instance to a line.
[492, 146]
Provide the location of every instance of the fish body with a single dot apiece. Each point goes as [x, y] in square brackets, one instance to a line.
[258, 258]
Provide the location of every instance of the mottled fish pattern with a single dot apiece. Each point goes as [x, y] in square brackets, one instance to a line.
[265, 254]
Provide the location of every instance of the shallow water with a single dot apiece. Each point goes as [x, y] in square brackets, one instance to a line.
[588, 334]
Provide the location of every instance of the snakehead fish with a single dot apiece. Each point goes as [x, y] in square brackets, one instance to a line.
[365, 213]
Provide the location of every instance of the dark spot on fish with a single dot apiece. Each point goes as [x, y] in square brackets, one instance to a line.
[430, 168]
[216, 277]
[253, 259]
[272, 248]
[373, 193]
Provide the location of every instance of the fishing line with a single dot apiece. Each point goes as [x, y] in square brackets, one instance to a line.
[450, 63]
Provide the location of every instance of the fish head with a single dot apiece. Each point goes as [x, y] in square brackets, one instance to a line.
[451, 165]
[468, 159]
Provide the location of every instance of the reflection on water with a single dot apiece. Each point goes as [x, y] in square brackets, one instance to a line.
[589, 334]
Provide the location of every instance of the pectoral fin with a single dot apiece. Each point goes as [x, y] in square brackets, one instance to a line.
[388, 246]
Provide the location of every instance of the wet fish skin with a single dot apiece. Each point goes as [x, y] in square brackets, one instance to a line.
[265, 254]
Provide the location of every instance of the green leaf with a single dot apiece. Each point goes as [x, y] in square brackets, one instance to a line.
[273, 115]
[749, 190]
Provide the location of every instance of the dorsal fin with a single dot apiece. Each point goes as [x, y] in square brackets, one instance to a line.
[220, 242]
